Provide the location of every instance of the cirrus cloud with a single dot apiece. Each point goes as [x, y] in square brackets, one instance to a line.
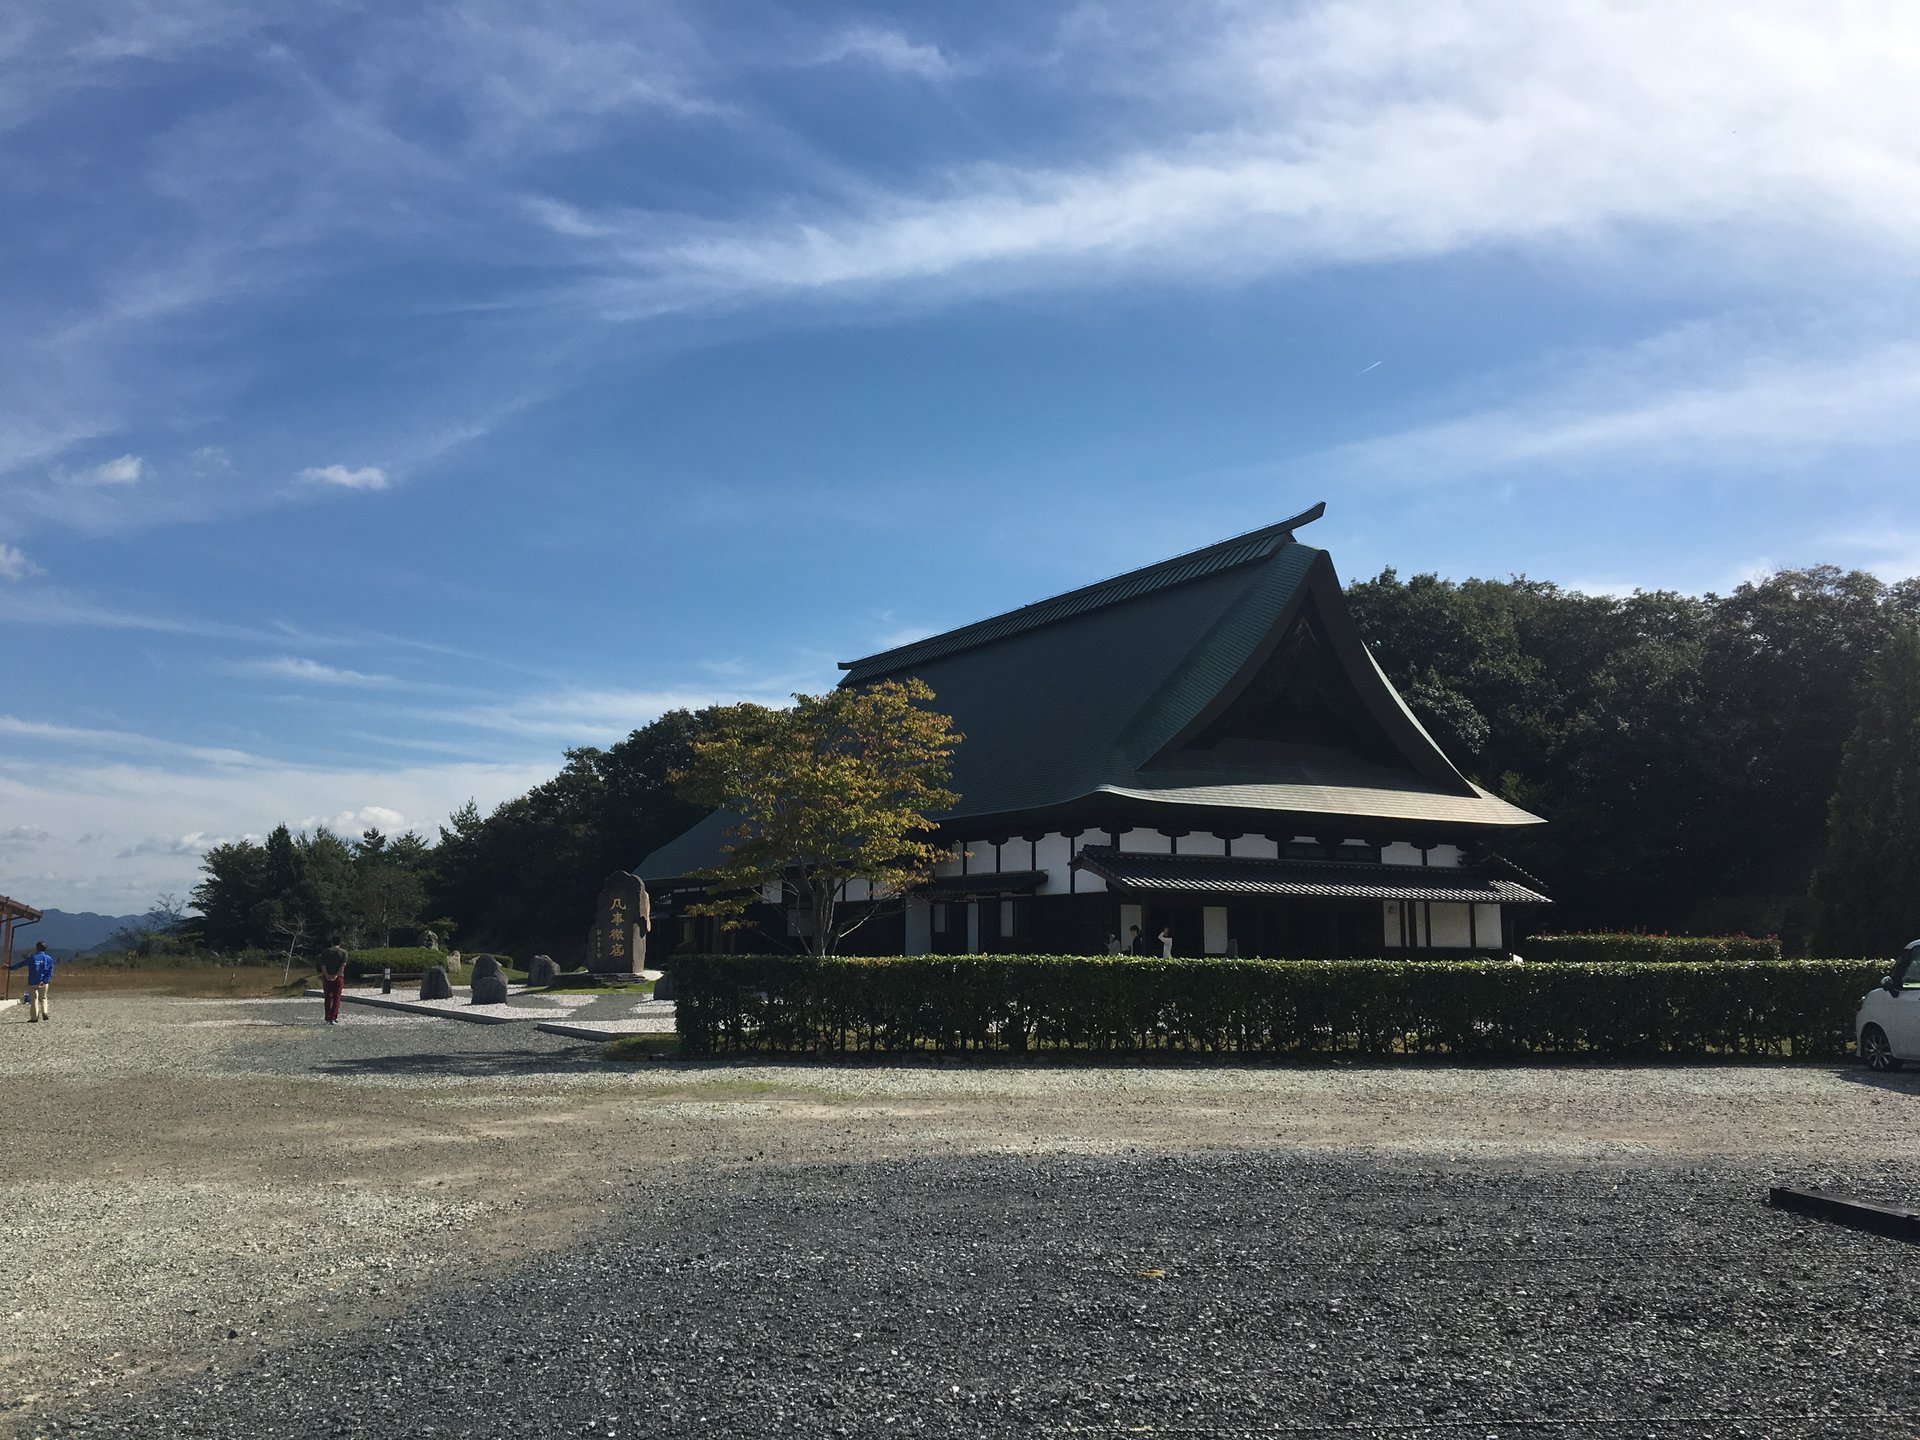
[366, 477]
[14, 564]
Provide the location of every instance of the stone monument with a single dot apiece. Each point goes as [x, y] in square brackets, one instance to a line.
[617, 943]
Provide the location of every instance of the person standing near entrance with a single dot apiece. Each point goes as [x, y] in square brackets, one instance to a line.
[1113, 942]
[333, 979]
[1166, 942]
[1136, 942]
[39, 968]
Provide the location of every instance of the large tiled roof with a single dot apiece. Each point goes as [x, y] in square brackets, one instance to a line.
[1327, 879]
[1213, 560]
[1087, 697]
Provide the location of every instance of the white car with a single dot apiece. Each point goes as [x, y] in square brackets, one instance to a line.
[1888, 1025]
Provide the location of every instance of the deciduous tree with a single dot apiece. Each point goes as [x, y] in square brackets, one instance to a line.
[834, 790]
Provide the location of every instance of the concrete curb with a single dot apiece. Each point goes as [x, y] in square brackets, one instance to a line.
[577, 1032]
[592, 1029]
[473, 1016]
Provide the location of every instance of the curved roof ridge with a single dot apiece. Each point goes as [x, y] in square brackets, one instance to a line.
[1212, 559]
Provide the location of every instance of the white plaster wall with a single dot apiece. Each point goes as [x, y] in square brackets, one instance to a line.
[773, 892]
[973, 927]
[1400, 853]
[1145, 842]
[919, 927]
[950, 865]
[1390, 920]
[981, 859]
[1256, 847]
[1446, 855]
[1129, 917]
[857, 891]
[1201, 843]
[1054, 855]
[1449, 926]
[1486, 919]
[1213, 920]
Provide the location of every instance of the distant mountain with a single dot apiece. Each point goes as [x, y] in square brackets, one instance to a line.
[72, 930]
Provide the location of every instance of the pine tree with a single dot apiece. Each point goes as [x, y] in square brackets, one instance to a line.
[1866, 893]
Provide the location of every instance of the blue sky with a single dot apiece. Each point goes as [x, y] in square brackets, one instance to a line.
[398, 394]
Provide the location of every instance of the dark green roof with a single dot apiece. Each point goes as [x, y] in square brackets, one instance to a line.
[1094, 694]
[1325, 879]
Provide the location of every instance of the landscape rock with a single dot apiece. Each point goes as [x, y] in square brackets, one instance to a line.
[542, 971]
[485, 965]
[663, 987]
[434, 986]
[489, 989]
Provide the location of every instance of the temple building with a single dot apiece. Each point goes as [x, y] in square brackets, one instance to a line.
[1205, 745]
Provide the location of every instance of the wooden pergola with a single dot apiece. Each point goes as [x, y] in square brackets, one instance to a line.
[12, 914]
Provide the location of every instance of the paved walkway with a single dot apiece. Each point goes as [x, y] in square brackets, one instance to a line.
[582, 1014]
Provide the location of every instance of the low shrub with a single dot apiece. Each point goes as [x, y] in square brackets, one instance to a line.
[407, 959]
[1021, 1003]
[1649, 949]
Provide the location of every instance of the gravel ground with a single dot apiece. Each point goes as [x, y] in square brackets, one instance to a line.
[226, 1213]
[1235, 1294]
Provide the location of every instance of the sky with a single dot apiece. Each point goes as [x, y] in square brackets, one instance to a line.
[395, 395]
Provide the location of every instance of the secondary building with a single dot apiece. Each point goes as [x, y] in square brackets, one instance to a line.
[1203, 745]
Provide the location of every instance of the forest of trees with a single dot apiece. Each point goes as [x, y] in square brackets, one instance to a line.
[520, 879]
[1686, 750]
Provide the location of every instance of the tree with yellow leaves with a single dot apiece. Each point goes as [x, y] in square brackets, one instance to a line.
[832, 791]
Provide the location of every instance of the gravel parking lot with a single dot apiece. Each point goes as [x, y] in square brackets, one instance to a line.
[235, 1222]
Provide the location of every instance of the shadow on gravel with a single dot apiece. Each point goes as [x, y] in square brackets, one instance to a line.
[1901, 1082]
[471, 1065]
[1230, 1295]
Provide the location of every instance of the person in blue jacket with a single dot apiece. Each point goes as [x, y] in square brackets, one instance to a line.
[39, 968]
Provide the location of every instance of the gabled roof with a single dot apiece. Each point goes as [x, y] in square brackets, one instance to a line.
[1099, 690]
[1110, 694]
[1198, 564]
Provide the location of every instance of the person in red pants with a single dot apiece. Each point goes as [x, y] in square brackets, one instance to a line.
[333, 979]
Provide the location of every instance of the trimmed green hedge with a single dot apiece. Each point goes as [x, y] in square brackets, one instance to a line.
[405, 959]
[1649, 949]
[732, 1004]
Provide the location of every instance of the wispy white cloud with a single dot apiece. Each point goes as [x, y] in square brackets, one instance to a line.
[1263, 142]
[888, 49]
[14, 564]
[1358, 133]
[366, 477]
[127, 742]
[43, 607]
[123, 470]
[312, 672]
[1697, 397]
